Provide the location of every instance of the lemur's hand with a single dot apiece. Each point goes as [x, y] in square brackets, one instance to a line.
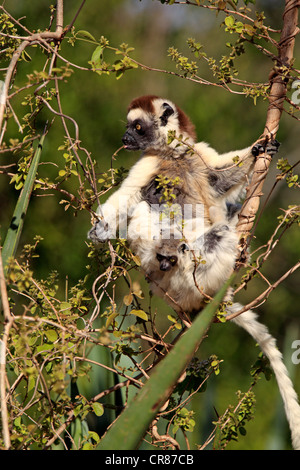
[100, 233]
[266, 146]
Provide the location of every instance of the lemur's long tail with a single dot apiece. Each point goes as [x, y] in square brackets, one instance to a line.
[267, 343]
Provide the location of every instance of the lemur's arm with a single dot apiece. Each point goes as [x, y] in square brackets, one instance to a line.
[119, 205]
[226, 177]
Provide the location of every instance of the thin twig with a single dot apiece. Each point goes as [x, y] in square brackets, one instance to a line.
[31, 39]
[3, 345]
[264, 295]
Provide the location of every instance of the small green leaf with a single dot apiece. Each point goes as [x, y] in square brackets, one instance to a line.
[119, 74]
[229, 21]
[45, 347]
[25, 56]
[127, 299]
[93, 435]
[110, 319]
[51, 335]
[140, 313]
[137, 260]
[172, 319]
[85, 34]
[132, 424]
[98, 409]
[97, 54]
[65, 307]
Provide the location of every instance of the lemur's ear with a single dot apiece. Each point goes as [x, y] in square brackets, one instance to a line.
[183, 248]
[168, 111]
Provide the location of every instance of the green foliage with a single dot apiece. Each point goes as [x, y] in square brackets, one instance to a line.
[167, 187]
[97, 62]
[184, 420]
[232, 423]
[8, 40]
[287, 173]
[183, 63]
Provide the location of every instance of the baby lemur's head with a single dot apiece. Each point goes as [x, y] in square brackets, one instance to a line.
[168, 253]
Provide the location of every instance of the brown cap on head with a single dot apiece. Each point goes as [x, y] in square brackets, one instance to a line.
[143, 102]
[146, 103]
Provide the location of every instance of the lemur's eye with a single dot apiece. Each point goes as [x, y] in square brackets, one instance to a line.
[138, 127]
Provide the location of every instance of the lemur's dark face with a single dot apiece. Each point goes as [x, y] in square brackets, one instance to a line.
[166, 262]
[144, 127]
[140, 134]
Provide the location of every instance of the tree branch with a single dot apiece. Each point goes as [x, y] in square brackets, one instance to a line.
[33, 38]
[3, 345]
[277, 97]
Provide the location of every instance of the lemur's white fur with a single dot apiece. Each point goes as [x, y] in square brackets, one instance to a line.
[215, 240]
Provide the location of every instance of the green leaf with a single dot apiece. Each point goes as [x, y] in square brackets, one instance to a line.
[137, 260]
[98, 409]
[88, 446]
[97, 54]
[119, 74]
[140, 313]
[65, 307]
[85, 34]
[127, 299]
[128, 430]
[172, 319]
[51, 335]
[93, 435]
[25, 56]
[229, 21]
[110, 319]
[45, 347]
[14, 232]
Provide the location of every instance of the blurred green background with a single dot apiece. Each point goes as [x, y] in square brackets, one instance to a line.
[225, 120]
